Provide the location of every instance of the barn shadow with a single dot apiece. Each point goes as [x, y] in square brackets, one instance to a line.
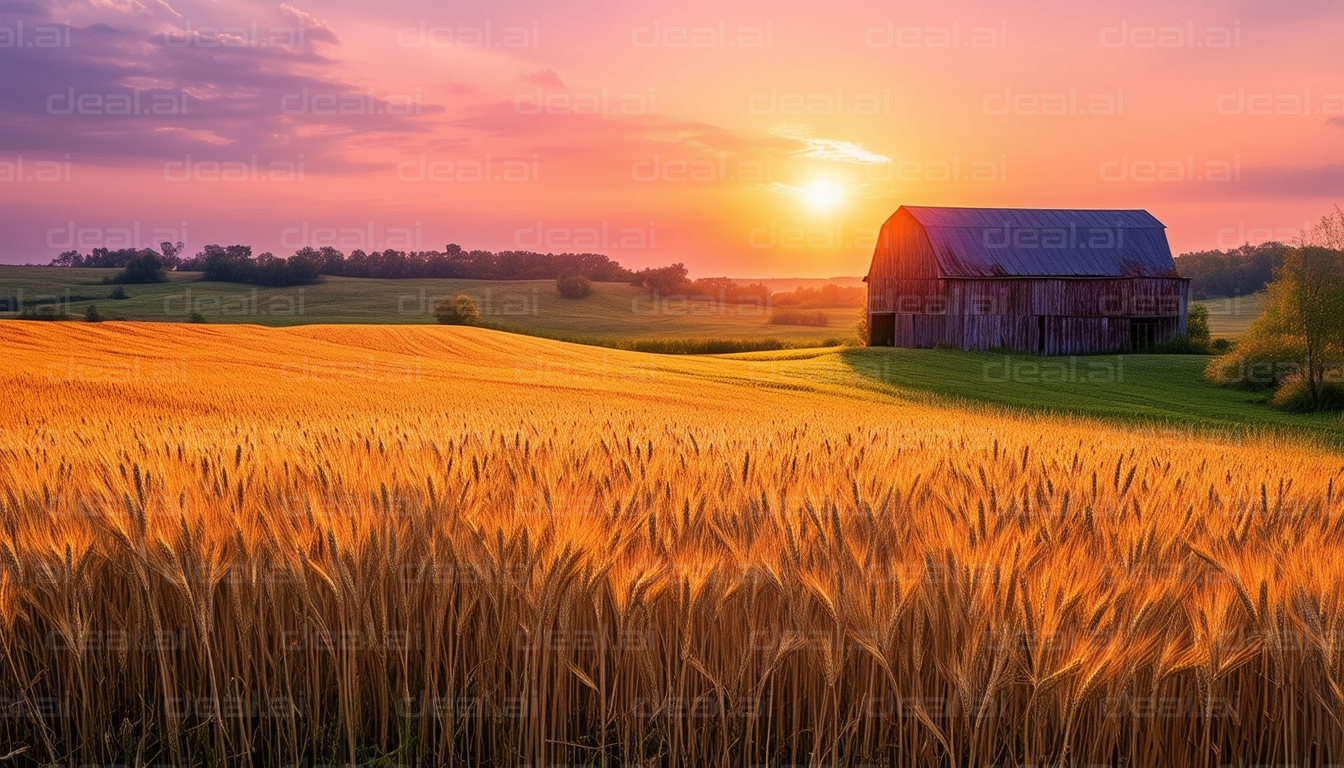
[1000, 377]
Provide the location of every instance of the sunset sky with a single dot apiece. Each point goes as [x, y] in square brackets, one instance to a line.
[751, 139]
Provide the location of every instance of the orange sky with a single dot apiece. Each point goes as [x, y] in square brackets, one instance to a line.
[758, 139]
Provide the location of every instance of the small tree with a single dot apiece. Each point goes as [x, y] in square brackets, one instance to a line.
[91, 314]
[1197, 325]
[1307, 297]
[1302, 328]
[117, 293]
[572, 285]
[172, 253]
[459, 310]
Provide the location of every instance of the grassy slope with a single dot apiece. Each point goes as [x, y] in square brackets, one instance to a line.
[1230, 317]
[615, 310]
[1166, 391]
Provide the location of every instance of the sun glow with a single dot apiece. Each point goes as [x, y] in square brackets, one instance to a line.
[823, 195]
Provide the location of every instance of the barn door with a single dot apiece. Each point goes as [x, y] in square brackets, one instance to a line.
[1143, 333]
[882, 329]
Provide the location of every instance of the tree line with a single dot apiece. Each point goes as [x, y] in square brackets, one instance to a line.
[572, 271]
[235, 263]
[1234, 272]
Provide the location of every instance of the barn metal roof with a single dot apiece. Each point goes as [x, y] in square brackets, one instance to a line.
[1038, 242]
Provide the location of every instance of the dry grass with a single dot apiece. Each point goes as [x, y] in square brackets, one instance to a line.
[429, 547]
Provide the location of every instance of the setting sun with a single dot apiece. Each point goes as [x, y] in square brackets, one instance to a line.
[823, 194]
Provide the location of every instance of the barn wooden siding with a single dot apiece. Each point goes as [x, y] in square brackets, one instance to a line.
[914, 302]
[1047, 316]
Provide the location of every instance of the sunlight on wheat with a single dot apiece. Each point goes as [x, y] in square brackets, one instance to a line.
[432, 553]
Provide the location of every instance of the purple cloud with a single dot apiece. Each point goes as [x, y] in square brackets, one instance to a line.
[123, 94]
[547, 78]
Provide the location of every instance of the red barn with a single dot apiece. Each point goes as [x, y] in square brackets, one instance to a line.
[1053, 282]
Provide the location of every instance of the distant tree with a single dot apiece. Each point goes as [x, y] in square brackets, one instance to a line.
[117, 293]
[91, 314]
[146, 267]
[667, 280]
[573, 286]
[172, 257]
[459, 310]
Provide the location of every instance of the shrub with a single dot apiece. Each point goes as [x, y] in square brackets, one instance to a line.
[573, 286]
[459, 310]
[799, 317]
[1197, 324]
[1294, 397]
[1256, 363]
[196, 317]
[1181, 345]
[117, 293]
[91, 314]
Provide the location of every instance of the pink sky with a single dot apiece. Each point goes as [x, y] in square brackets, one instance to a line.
[753, 139]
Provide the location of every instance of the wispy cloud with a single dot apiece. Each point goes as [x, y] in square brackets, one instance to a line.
[834, 150]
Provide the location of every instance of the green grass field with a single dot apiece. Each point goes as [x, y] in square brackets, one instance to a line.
[1166, 392]
[615, 311]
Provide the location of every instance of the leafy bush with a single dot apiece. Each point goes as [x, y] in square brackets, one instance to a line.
[459, 310]
[91, 314]
[1294, 397]
[573, 286]
[196, 317]
[1180, 345]
[799, 317]
[1258, 362]
[1197, 324]
[117, 293]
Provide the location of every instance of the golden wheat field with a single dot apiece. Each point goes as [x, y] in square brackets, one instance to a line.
[415, 545]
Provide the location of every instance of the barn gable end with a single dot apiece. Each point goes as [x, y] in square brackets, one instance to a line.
[1044, 281]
